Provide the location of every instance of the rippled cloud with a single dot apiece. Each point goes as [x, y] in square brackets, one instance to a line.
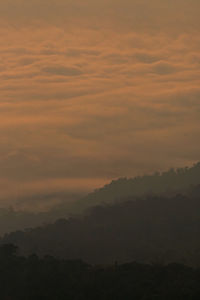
[96, 90]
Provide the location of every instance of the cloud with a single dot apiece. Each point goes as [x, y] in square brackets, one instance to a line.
[164, 68]
[137, 15]
[43, 194]
[62, 71]
[95, 90]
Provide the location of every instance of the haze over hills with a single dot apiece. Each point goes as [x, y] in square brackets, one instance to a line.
[170, 182]
[167, 183]
[13, 219]
[100, 115]
[152, 228]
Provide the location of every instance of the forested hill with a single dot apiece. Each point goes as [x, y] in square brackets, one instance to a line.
[152, 229]
[33, 278]
[165, 183]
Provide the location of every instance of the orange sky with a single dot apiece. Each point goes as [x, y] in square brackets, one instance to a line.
[95, 90]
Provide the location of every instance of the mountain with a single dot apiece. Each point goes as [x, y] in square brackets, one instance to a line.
[171, 182]
[12, 219]
[151, 229]
[167, 183]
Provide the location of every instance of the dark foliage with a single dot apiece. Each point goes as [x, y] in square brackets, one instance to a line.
[33, 278]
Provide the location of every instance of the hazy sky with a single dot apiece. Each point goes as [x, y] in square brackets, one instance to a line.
[94, 90]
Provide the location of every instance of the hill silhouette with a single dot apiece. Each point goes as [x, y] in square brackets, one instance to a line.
[47, 278]
[171, 182]
[151, 229]
[167, 183]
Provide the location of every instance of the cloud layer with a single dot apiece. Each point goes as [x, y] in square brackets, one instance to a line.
[95, 91]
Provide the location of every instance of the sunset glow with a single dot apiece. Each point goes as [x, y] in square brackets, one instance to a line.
[95, 90]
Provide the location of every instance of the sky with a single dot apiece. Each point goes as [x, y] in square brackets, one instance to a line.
[95, 90]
